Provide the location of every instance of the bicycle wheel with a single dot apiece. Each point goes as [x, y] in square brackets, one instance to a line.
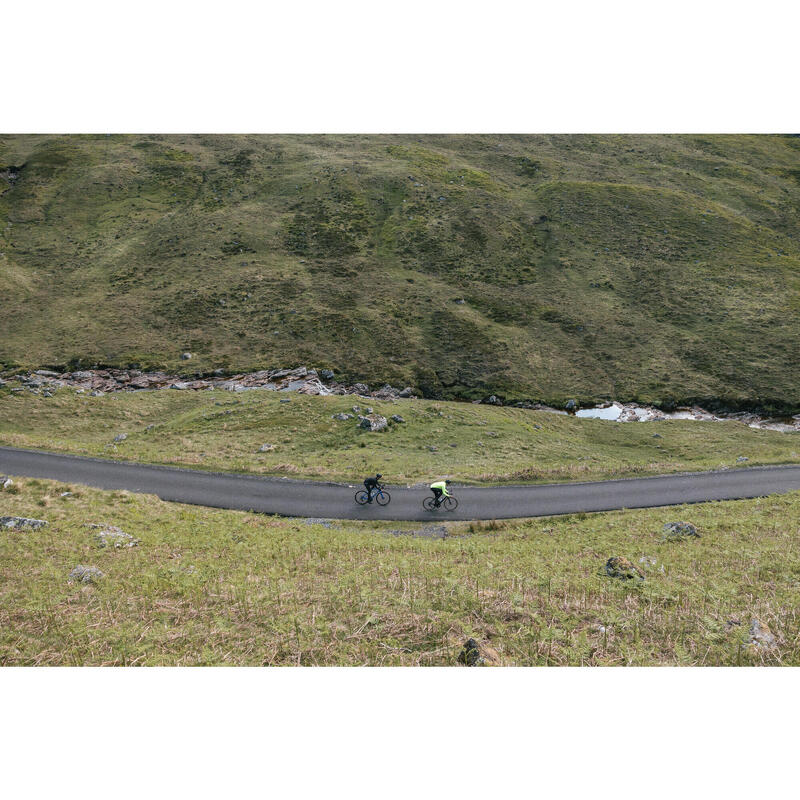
[383, 498]
[362, 498]
[450, 504]
[428, 504]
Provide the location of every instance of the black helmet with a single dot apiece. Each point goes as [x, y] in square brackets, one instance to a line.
[378, 475]
[447, 481]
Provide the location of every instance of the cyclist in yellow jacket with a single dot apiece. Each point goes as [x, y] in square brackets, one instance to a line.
[439, 489]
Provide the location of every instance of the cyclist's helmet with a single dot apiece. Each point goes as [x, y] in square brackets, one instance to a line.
[448, 482]
[378, 475]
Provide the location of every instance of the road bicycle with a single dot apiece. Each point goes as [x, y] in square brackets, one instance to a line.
[380, 496]
[449, 503]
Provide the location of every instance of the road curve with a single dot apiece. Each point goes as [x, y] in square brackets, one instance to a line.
[313, 499]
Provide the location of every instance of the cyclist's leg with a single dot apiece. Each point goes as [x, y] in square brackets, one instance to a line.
[437, 496]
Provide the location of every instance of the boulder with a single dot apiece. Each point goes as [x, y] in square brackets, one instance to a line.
[397, 418]
[478, 654]
[18, 523]
[386, 392]
[361, 388]
[571, 405]
[342, 417]
[680, 530]
[120, 437]
[326, 374]
[493, 401]
[621, 567]
[84, 574]
[373, 422]
[5, 482]
[185, 356]
[407, 392]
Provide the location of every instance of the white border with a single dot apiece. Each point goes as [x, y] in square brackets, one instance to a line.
[309, 66]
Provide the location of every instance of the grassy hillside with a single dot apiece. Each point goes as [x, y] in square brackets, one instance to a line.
[473, 443]
[639, 267]
[221, 587]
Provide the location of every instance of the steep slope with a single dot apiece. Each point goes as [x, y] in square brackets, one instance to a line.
[639, 267]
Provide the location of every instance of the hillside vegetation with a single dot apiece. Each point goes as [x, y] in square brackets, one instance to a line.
[205, 586]
[219, 430]
[655, 268]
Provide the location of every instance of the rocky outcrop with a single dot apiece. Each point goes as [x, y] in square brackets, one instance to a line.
[622, 568]
[680, 530]
[300, 379]
[112, 536]
[20, 523]
[83, 574]
[478, 654]
[760, 637]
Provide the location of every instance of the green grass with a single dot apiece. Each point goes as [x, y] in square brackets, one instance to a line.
[220, 430]
[639, 267]
[222, 587]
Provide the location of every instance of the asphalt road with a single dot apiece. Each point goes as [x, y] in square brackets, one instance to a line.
[314, 499]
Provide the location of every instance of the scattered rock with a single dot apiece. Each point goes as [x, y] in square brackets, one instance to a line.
[621, 567]
[361, 388]
[657, 436]
[326, 523]
[265, 448]
[84, 574]
[433, 449]
[284, 399]
[112, 536]
[680, 530]
[740, 459]
[475, 654]
[397, 418]
[18, 523]
[373, 422]
[493, 401]
[460, 302]
[185, 356]
[5, 482]
[571, 405]
[96, 394]
[120, 437]
[760, 637]
[326, 374]
[407, 392]
[342, 417]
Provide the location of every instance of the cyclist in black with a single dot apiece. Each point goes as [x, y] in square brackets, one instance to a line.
[371, 485]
